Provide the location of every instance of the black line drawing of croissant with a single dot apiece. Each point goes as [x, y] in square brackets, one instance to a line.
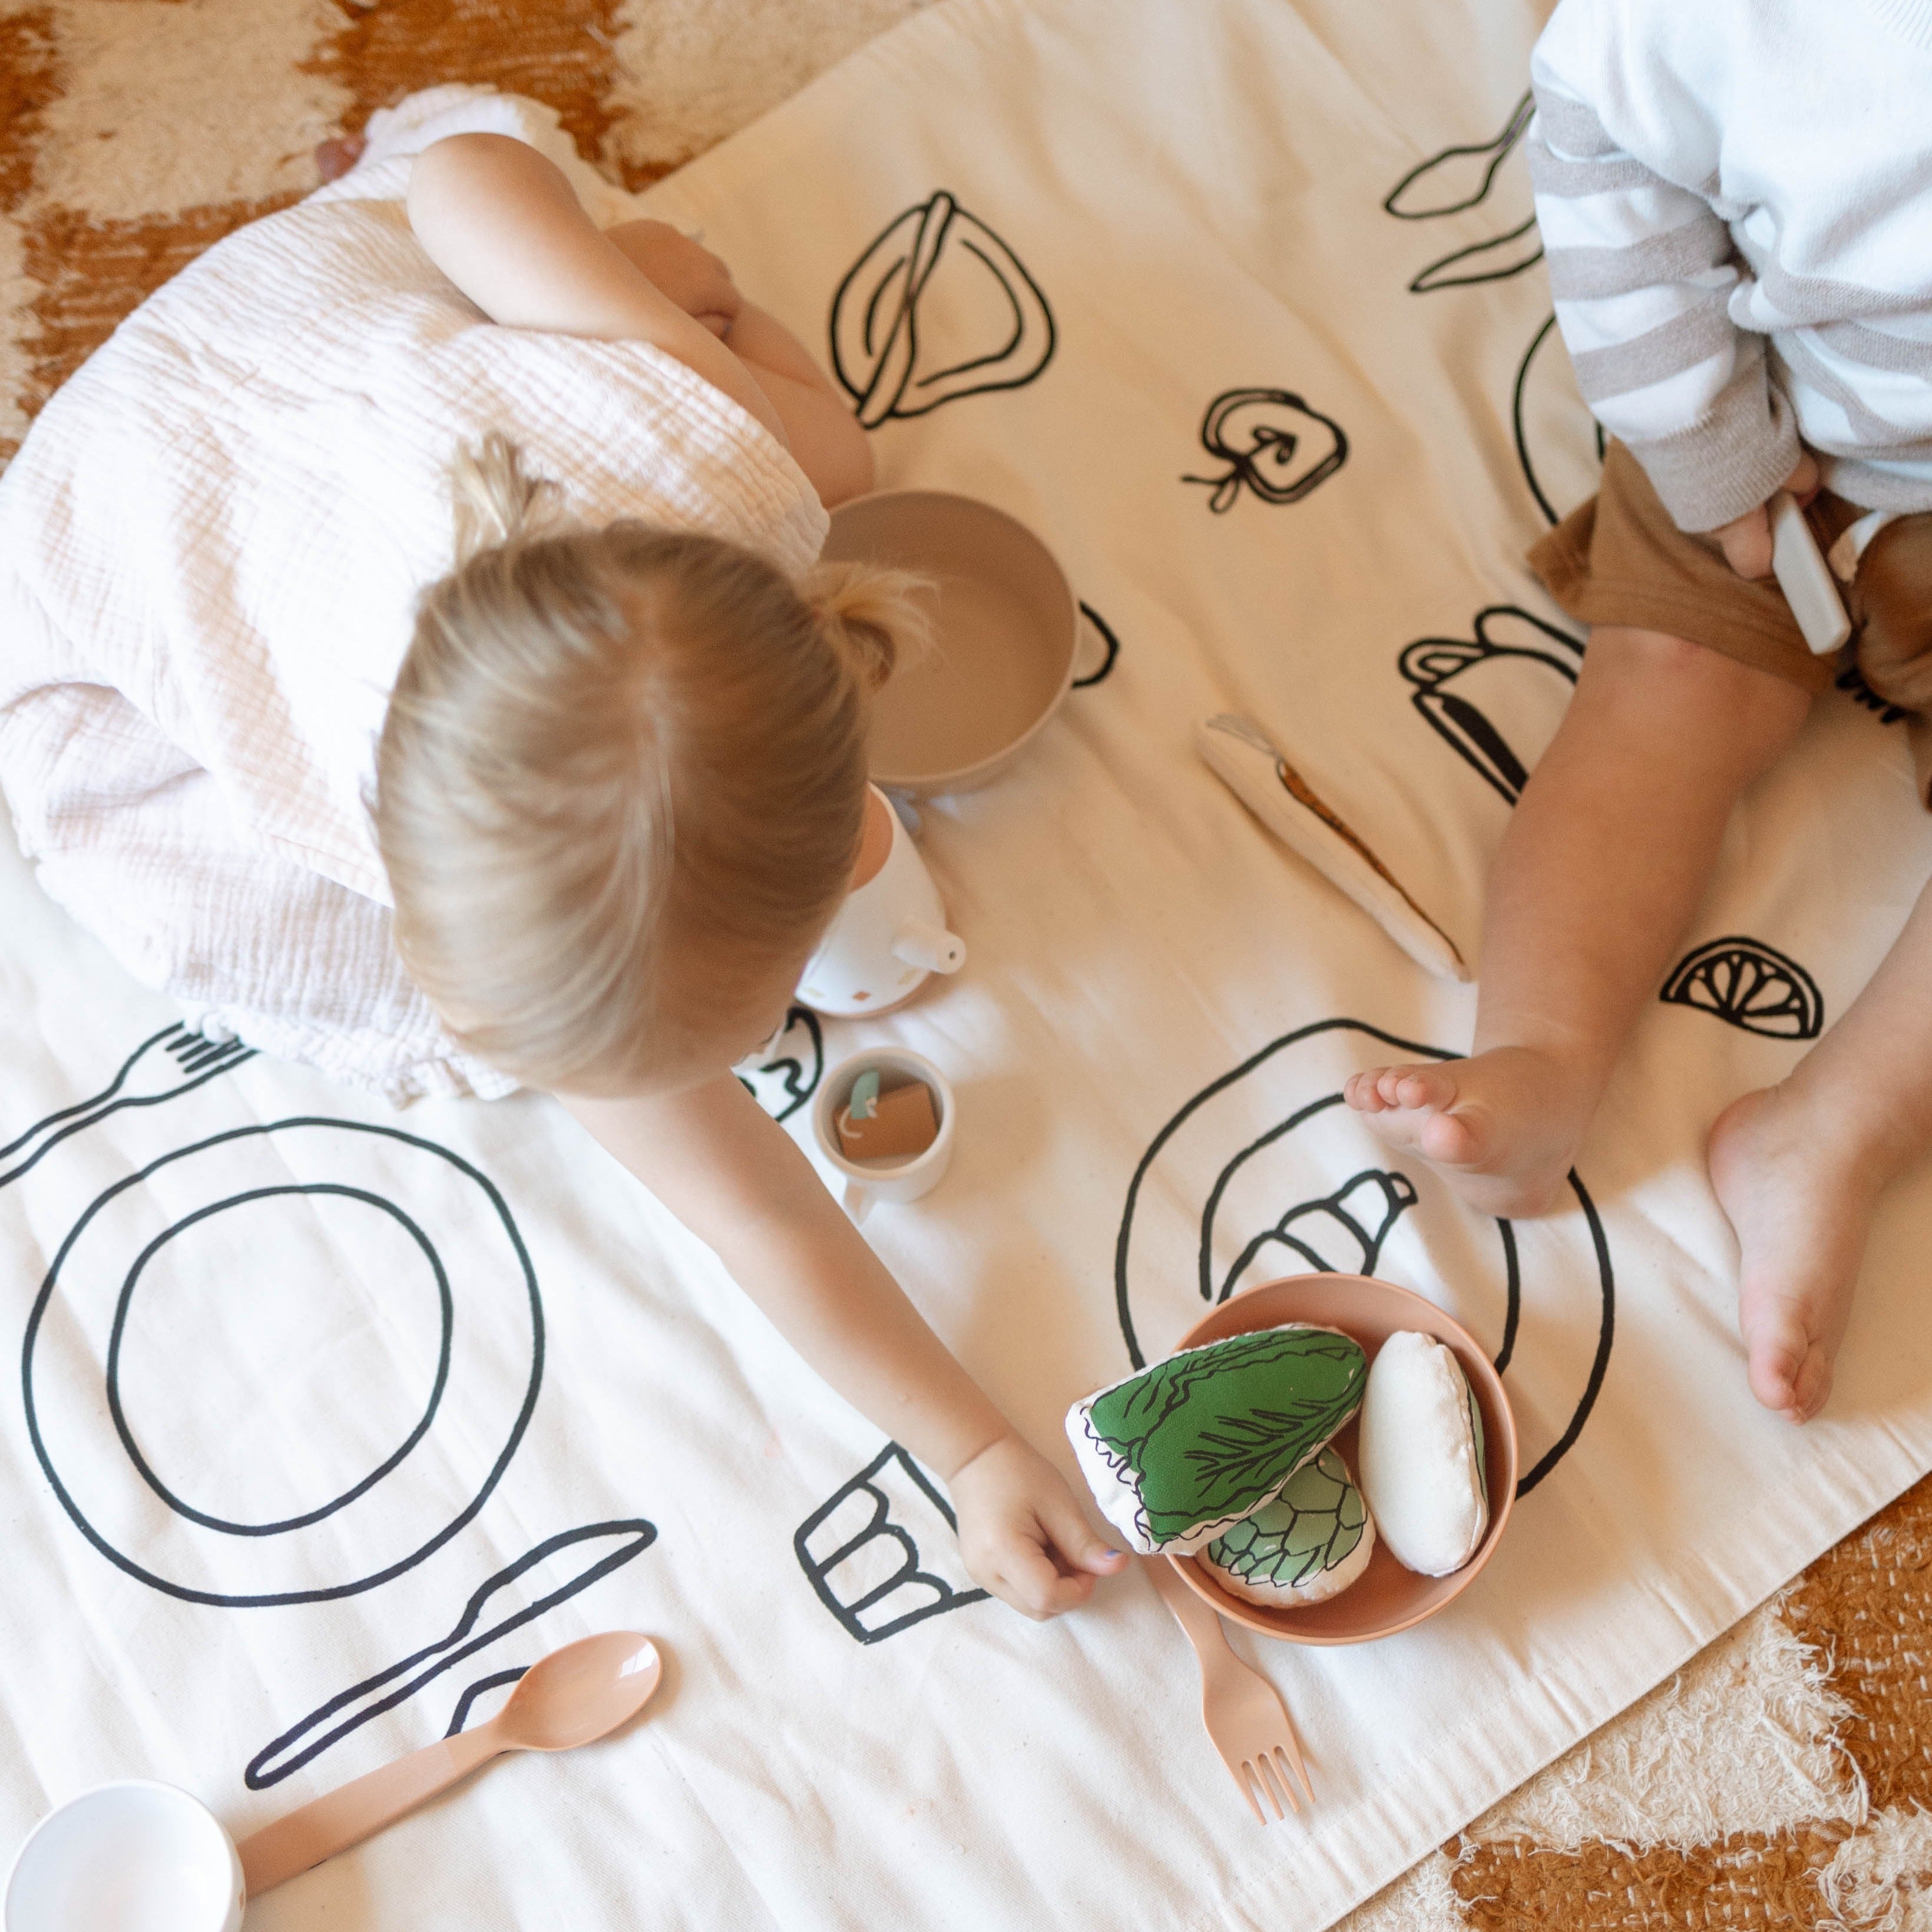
[905, 336]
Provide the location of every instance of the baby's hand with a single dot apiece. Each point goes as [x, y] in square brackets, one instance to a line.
[1022, 1534]
[683, 270]
[1746, 542]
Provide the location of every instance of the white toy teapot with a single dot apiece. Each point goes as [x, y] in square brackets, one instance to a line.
[889, 934]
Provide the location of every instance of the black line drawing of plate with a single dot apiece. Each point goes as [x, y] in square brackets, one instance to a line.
[144, 1220]
[937, 308]
[1458, 178]
[785, 1072]
[1749, 985]
[1496, 700]
[1273, 442]
[1548, 416]
[872, 1551]
[462, 1231]
[1251, 1179]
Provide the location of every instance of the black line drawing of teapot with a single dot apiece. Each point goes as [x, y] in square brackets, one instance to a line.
[205, 1212]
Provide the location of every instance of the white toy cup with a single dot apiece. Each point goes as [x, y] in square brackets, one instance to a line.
[889, 935]
[866, 1182]
[132, 1857]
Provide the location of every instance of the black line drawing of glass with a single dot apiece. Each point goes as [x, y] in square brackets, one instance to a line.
[874, 1550]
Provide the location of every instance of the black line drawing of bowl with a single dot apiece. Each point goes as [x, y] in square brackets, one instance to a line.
[937, 308]
[1252, 1179]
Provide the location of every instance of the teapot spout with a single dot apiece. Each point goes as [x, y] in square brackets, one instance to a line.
[933, 949]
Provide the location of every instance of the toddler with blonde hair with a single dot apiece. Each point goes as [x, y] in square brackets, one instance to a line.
[601, 801]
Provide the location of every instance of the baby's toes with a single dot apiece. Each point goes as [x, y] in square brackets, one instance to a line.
[1780, 1352]
[1810, 1386]
[1450, 1140]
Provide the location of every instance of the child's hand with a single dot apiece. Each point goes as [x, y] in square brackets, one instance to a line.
[1022, 1534]
[683, 270]
[1746, 542]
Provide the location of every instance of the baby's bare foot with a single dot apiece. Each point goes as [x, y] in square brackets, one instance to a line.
[1801, 1200]
[1502, 1126]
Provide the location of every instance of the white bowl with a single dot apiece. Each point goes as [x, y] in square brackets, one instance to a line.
[134, 1857]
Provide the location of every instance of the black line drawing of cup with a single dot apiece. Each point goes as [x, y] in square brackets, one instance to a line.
[1495, 699]
[874, 1550]
[937, 307]
[1252, 1180]
[1274, 444]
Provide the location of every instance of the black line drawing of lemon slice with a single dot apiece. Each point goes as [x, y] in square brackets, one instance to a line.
[937, 308]
[1748, 985]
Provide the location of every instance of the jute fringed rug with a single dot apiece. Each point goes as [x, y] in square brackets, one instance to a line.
[1781, 1779]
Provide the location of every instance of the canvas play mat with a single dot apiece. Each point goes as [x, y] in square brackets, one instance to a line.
[329, 1419]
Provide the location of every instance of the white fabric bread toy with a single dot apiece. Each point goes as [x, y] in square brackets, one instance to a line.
[1247, 761]
[1308, 1545]
[1420, 1454]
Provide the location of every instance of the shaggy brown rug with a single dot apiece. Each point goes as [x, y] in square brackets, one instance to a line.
[1782, 1780]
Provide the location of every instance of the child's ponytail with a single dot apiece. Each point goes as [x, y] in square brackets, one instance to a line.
[496, 500]
[873, 618]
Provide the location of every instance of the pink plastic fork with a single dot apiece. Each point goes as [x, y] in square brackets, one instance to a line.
[1247, 1721]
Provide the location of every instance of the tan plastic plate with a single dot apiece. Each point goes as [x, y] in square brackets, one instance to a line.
[1006, 627]
[1386, 1597]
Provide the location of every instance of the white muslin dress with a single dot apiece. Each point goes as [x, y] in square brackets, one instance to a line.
[211, 545]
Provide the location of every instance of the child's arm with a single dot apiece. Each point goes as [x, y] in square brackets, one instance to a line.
[826, 438]
[1624, 156]
[736, 1180]
[504, 225]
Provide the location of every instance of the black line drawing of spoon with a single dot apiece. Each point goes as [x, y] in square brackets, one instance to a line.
[1458, 178]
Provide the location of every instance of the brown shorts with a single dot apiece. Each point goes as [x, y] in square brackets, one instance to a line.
[1619, 560]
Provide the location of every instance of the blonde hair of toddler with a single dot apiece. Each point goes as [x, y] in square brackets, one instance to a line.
[622, 777]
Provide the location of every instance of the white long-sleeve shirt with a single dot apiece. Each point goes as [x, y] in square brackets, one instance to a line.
[1736, 200]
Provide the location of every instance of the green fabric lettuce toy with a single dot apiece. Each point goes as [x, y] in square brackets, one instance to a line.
[1176, 1453]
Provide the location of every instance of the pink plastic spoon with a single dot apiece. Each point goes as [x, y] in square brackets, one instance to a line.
[571, 1697]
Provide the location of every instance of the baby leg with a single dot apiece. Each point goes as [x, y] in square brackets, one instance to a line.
[1606, 857]
[1799, 1168]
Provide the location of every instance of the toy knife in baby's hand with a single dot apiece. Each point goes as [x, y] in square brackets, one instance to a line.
[1806, 578]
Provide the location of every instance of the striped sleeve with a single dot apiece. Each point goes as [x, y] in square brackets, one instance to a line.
[1641, 271]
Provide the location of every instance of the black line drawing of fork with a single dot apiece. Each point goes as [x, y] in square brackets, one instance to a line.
[173, 1061]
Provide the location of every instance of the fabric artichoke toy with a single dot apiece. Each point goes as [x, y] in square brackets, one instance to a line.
[1308, 1545]
[1176, 1453]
